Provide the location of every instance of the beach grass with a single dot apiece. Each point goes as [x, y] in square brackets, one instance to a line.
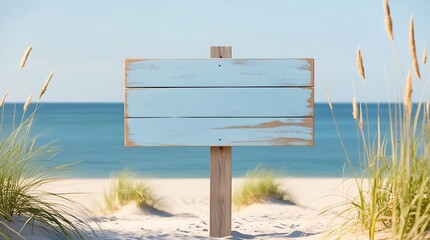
[125, 188]
[260, 185]
[393, 180]
[24, 171]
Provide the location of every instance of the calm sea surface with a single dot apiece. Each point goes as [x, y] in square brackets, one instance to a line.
[91, 135]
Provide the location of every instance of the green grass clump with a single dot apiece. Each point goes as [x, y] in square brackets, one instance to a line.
[23, 172]
[394, 190]
[259, 185]
[126, 189]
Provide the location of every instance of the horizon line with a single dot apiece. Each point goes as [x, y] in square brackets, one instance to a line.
[95, 102]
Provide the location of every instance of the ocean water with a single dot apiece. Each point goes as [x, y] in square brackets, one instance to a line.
[90, 135]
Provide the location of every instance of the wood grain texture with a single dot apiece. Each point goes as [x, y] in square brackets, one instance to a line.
[220, 191]
[221, 52]
[219, 131]
[220, 176]
[219, 102]
[219, 72]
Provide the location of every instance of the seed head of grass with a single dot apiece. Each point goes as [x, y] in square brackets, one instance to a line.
[354, 109]
[360, 66]
[25, 57]
[413, 48]
[27, 102]
[408, 96]
[3, 99]
[388, 21]
[45, 86]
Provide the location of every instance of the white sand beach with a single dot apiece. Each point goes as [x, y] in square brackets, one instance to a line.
[187, 215]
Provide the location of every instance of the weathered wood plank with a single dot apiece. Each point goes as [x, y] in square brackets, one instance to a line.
[219, 102]
[219, 72]
[219, 132]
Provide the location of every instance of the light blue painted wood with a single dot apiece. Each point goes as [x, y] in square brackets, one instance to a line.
[219, 72]
[219, 102]
[219, 132]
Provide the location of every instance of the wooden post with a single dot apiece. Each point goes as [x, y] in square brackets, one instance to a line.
[220, 177]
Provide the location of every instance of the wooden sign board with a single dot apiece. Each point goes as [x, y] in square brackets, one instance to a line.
[219, 102]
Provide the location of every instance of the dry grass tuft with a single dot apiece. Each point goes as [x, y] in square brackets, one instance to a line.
[354, 108]
[408, 96]
[45, 86]
[24, 57]
[360, 66]
[388, 21]
[27, 102]
[413, 48]
[3, 99]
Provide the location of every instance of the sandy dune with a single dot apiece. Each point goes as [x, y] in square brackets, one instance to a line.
[187, 214]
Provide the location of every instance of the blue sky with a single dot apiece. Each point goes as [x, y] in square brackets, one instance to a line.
[86, 42]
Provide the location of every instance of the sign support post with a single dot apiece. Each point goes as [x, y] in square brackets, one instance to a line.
[220, 176]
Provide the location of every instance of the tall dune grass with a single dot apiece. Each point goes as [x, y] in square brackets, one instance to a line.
[260, 185]
[394, 185]
[23, 174]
